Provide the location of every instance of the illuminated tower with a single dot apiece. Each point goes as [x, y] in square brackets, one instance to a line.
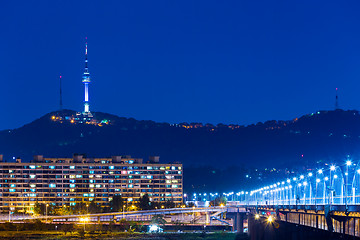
[86, 81]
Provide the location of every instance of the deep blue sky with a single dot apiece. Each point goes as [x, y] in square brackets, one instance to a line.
[176, 61]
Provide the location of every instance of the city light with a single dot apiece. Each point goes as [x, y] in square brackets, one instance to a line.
[270, 219]
[257, 216]
[332, 168]
[84, 219]
[320, 171]
[310, 174]
[348, 163]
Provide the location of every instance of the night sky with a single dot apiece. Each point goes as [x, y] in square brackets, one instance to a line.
[180, 61]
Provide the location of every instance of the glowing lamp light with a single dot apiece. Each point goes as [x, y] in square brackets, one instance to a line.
[84, 219]
[326, 178]
[257, 216]
[305, 183]
[288, 181]
[320, 171]
[348, 163]
[153, 228]
[332, 168]
[270, 219]
[301, 176]
[294, 179]
[335, 176]
[318, 180]
[358, 171]
[310, 174]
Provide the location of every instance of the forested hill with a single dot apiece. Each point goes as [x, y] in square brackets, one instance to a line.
[324, 135]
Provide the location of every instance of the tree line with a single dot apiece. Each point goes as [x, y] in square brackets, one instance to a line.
[117, 204]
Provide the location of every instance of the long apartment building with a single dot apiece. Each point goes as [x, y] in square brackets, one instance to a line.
[67, 181]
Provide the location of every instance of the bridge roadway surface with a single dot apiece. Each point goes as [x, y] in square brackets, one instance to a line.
[133, 214]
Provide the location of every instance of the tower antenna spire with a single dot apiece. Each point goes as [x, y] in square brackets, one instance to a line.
[336, 100]
[86, 81]
[61, 103]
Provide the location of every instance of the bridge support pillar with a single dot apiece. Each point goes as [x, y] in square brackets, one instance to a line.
[207, 218]
[238, 222]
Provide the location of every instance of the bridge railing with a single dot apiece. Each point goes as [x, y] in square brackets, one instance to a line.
[339, 185]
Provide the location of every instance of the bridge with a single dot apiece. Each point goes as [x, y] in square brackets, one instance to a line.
[193, 215]
[325, 199]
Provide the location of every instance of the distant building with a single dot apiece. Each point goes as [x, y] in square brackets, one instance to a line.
[68, 181]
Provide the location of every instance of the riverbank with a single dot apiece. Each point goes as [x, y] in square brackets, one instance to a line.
[55, 235]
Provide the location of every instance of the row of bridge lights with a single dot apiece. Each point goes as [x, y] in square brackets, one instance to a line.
[212, 196]
[275, 187]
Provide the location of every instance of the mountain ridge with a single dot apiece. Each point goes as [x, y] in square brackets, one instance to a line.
[324, 135]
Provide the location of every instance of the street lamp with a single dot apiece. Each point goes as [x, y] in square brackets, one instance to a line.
[84, 219]
[46, 210]
[332, 168]
[348, 163]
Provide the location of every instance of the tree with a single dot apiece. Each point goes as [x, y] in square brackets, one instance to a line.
[169, 204]
[116, 204]
[158, 220]
[219, 201]
[144, 202]
[94, 207]
[39, 208]
[80, 208]
[63, 210]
